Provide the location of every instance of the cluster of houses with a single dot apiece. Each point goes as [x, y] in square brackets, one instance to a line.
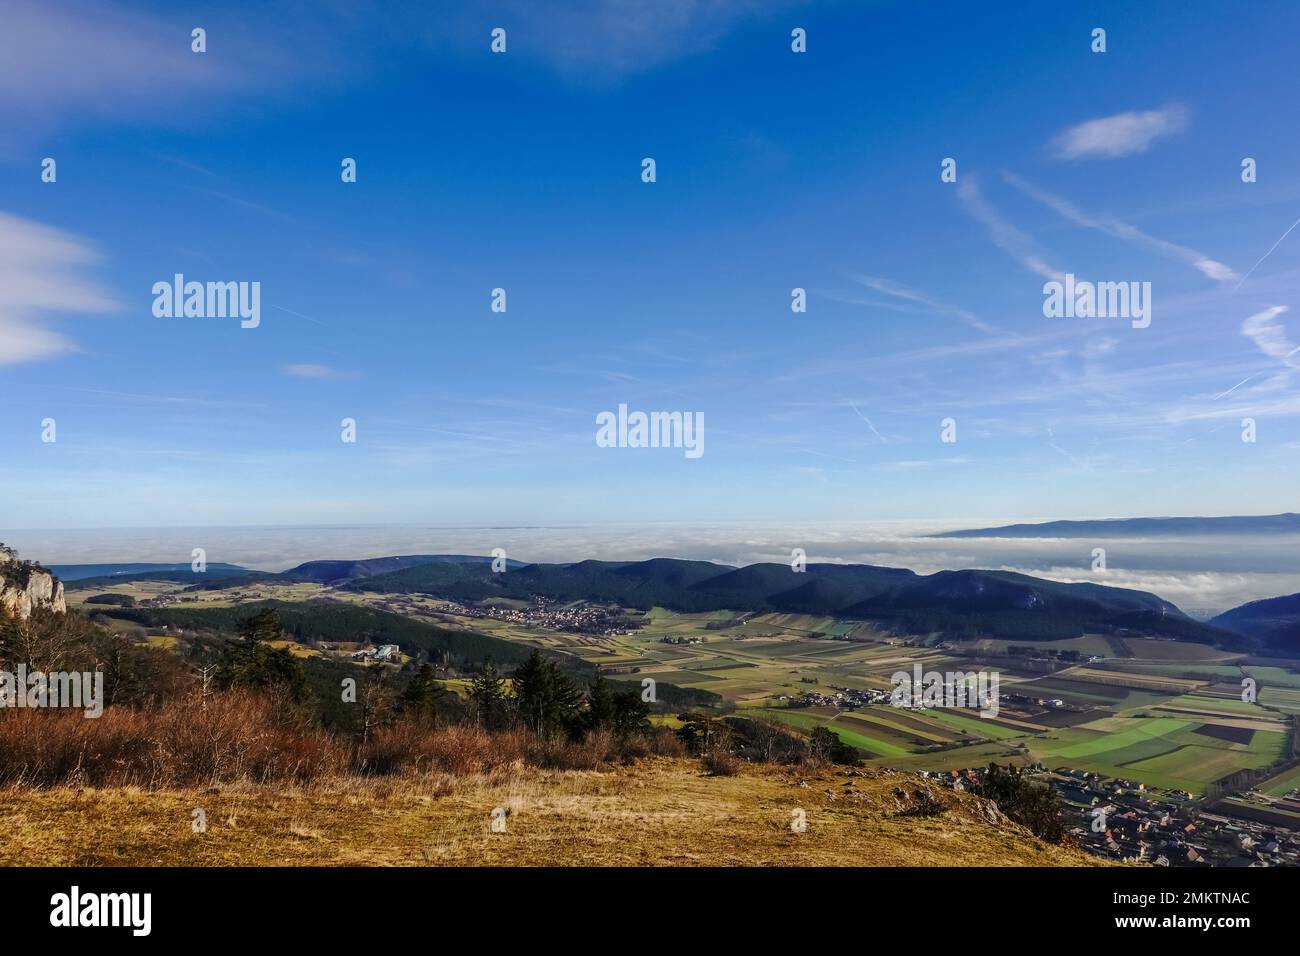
[682, 639]
[576, 618]
[168, 599]
[1046, 703]
[959, 780]
[846, 698]
[850, 698]
[389, 653]
[1126, 820]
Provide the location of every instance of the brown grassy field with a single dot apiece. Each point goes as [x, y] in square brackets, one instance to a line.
[660, 811]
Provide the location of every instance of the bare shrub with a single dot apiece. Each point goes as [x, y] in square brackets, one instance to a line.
[233, 737]
[559, 753]
[250, 737]
[720, 763]
[409, 746]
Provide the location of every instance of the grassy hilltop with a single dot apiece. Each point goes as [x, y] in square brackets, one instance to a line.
[660, 811]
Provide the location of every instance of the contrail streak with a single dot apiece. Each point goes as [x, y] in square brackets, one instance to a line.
[1266, 255]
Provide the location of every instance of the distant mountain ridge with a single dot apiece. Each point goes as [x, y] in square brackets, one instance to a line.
[1286, 523]
[79, 572]
[327, 572]
[1273, 621]
[959, 603]
[331, 572]
[963, 603]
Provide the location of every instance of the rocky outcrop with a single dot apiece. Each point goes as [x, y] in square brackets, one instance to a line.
[25, 586]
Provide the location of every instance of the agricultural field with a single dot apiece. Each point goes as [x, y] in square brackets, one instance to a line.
[142, 591]
[1283, 699]
[1282, 784]
[1163, 713]
[1086, 646]
[1164, 751]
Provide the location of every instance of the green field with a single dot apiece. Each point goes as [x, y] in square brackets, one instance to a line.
[1283, 783]
[807, 722]
[1159, 712]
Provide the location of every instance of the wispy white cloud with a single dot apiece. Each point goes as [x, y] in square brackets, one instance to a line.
[165, 399]
[111, 60]
[42, 270]
[1051, 443]
[900, 291]
[30, 343]
[1120, 135]
[1007, 237]
[1122, 230]
[1271, 337]
[606, 40]
[309, 370]
[117, 61]
[875, 431]
[909, 464]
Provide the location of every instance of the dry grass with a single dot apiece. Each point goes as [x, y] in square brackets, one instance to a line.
[660, 811]
[250, 738]
[234, 736]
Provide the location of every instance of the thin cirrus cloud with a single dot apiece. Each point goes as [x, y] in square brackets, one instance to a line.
[310, 370]
[1270, 337]
[1005, 236]
[116, 62]
[1121, 230]
[899, 291]
[606, 40]
[43, 271]
[1123, 134]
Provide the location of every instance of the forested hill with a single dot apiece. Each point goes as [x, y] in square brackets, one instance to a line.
[968, 602]
[960, 603]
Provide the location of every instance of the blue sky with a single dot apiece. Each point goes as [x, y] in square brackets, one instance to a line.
[522, 171]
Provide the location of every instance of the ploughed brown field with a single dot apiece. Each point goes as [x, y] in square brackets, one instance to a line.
[659, 811]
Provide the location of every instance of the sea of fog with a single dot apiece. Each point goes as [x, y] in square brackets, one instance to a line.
[1203, 575]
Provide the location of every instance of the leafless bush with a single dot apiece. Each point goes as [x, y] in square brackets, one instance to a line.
[720, 763]
[233, 737]
[259, 738]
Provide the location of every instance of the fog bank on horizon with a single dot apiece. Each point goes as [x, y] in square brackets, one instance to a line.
[1203, 576]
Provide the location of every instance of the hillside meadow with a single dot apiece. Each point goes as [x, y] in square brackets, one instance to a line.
[656, 812]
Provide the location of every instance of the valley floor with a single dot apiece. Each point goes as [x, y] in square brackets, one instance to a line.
[660, 811]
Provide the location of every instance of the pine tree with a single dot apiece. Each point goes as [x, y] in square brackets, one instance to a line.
[251, 661]
[487, 695]
[601, 709]
[631, 714]
[547, 698]
[424, 696]
[619, 712]
[263, 626]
